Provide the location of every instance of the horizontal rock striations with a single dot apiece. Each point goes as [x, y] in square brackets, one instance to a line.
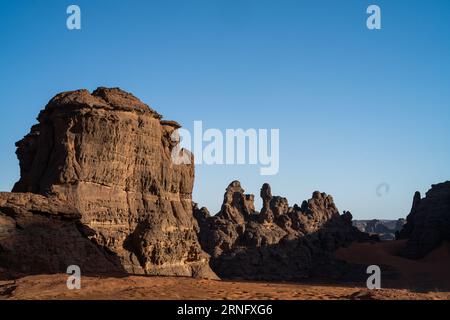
[98, 189]
[279, 242]
[428, 223]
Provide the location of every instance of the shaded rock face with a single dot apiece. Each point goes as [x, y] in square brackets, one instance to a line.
[428, 223]
[279, 242]
[44, 235]
[106, 158]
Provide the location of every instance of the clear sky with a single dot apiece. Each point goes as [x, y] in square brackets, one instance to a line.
[356, 108]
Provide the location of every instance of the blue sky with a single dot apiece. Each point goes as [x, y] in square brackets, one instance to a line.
[355, 108]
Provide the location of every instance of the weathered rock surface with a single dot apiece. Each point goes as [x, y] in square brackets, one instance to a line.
[428, 223]
[44, 235]
[98, 189]
[279, 242]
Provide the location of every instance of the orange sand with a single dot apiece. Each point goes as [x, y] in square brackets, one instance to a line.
[407, 284]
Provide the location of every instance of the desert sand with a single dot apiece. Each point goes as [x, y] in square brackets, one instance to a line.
[429, 273]
[409, 280]
[45, 287]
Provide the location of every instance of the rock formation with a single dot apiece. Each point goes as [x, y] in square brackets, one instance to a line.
[428, 223]
[98, 189]
[279, 242]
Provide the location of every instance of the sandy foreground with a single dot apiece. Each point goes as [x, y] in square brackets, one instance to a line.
[429, 273]
[163, 288]
[409, 283]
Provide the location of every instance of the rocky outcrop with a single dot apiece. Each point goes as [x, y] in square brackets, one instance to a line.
[428, 223]
[279, 242]
[98, 188]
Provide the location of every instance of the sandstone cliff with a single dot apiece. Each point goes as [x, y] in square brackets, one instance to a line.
[98, 189]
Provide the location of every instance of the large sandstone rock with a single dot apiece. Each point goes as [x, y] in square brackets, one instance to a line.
[279, 242]
[98, 188]
[428, 223]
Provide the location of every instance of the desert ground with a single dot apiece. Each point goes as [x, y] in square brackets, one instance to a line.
[422, 279]
[45, 287]
[429, 273]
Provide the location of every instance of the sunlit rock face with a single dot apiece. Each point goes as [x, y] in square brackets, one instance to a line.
[106, 157]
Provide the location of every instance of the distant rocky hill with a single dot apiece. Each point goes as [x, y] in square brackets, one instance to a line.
[385, 229]
[426, 227]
